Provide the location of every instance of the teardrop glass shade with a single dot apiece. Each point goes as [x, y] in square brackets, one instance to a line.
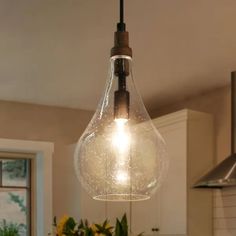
[118, 159]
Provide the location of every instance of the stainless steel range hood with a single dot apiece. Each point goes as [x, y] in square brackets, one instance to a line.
[224, 174]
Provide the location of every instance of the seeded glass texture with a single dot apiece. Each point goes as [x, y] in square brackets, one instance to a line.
[119, 159]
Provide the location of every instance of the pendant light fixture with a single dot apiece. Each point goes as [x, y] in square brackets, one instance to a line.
[121, 156]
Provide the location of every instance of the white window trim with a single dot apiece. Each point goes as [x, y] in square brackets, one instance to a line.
[43, 179]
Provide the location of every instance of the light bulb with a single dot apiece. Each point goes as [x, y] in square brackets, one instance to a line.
[122, 177]
[121, 156]
[121, 137]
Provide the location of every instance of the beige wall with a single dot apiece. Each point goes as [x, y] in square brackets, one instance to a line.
[58, 125]
[216, 102]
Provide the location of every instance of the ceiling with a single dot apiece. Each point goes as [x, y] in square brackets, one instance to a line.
[56, 52]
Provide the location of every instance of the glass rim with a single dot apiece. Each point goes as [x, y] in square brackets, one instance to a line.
[122, 197]
[120, 56]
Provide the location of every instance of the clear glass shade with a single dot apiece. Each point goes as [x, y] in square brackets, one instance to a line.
[117, 158]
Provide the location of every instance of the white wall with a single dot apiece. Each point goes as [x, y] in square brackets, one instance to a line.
[225, 212]
[216, 102]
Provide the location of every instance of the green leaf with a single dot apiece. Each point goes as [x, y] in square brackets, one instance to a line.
[124, 225]
[118, 229]
[19, 201]
[86, 223]
[69, 227]
[81, 224]
[55, 221]
[105, 223]
[141, 234]
[10, 229]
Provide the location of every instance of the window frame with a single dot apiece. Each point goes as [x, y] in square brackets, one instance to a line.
[41, 168]
[28, 188]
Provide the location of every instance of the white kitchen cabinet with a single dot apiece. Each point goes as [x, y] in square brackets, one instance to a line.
[177, 208]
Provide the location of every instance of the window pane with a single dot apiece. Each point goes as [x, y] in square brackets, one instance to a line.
[13, 213]
[14, 173]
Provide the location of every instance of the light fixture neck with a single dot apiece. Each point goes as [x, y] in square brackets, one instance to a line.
[121, 37]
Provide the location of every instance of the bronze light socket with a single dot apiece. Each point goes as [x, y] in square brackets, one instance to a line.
[121, 43]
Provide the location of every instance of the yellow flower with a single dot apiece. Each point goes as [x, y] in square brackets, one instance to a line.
[108, 226]
[96, 230]
[61, 225]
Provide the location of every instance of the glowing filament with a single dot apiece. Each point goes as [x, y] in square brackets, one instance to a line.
[121, 137]
[122, 177]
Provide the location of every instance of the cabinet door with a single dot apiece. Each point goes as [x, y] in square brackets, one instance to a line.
[117, 210]
[167, 209]
[146, 216]
[173, 192]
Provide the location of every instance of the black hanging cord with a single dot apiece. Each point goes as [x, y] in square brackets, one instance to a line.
[121, 24]
[121, 11]
[121, 95]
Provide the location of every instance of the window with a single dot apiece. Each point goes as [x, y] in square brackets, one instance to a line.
[37, 156]
[15, 193]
